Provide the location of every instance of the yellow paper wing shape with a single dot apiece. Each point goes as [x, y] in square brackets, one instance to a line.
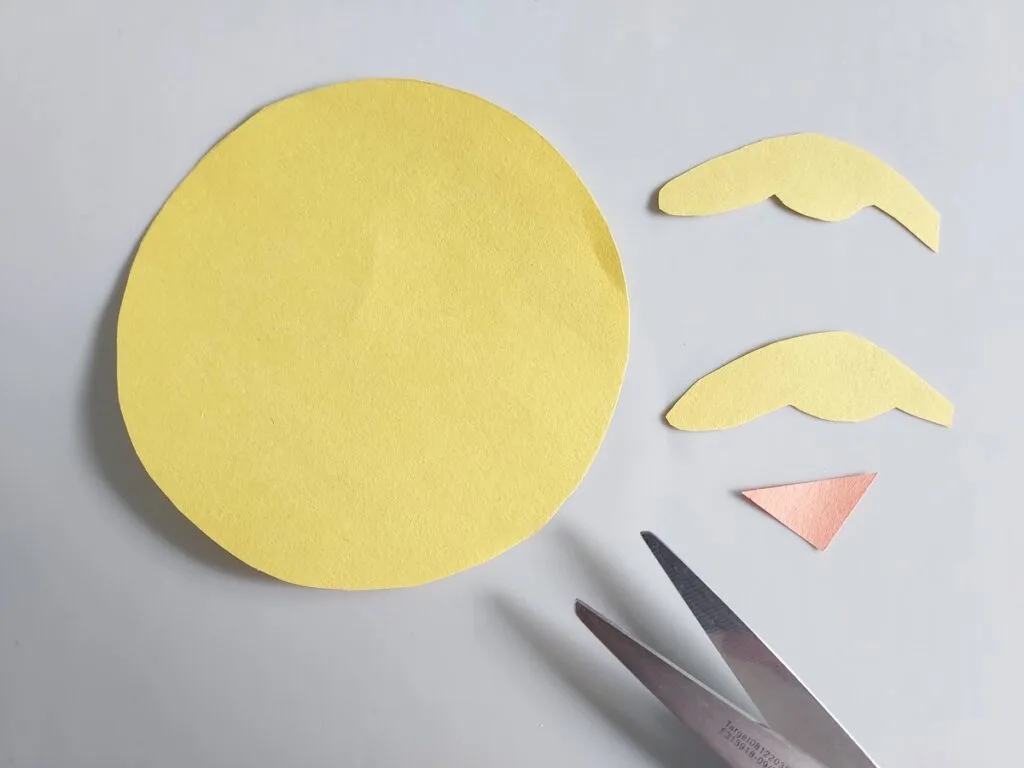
[375, 337]
[835, 375]
[814, 175]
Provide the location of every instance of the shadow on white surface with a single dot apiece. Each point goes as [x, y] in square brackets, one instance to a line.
[609, 692]
[615, 593]
[110, 450]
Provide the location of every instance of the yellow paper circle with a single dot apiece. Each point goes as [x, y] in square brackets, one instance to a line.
[374, 338]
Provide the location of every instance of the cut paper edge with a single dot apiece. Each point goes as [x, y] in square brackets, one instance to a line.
[816, 510]
[831, 375]
[816, 176]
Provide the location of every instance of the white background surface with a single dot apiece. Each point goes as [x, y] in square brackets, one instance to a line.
[128, 639]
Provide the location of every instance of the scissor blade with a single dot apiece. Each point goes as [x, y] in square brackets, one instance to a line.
[735, 737]
[786, 704]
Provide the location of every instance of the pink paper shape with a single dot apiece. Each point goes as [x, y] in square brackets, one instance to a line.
[814, 511]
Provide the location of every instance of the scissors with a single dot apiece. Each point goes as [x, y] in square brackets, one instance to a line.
[802, 733]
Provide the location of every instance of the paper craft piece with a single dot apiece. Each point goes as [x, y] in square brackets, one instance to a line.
[833, 375]
[375, 337]
[814, 511]
[814, 175]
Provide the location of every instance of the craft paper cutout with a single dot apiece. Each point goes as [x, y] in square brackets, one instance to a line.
[814, 511]
[814, 175]
[834, 375]
[375, 337]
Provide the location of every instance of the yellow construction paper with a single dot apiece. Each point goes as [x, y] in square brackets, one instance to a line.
[834, 375]
[814, 175]
[375, 337]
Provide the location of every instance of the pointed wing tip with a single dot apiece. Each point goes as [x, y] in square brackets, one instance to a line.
[679, 417]
[664, 202]
[671, 200]
[661, 197]
[672, 416]
[945, 419]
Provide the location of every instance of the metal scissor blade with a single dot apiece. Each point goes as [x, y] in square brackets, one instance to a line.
[786, 704]
[734, 736]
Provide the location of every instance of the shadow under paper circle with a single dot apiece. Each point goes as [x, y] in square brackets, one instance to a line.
[111, 451]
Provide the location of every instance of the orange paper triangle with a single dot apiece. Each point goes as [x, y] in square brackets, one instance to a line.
[814, 511]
